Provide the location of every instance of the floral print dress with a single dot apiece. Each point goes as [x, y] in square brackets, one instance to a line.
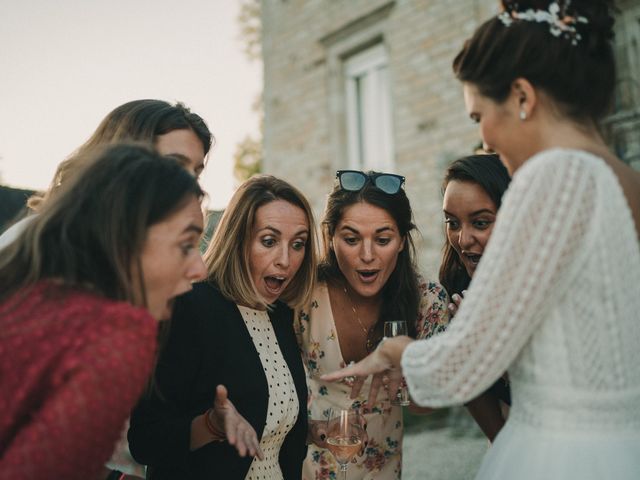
[318, 338]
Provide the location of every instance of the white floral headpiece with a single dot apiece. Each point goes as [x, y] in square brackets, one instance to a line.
[565, 26]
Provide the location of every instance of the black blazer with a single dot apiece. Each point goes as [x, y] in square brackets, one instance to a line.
[208, 344]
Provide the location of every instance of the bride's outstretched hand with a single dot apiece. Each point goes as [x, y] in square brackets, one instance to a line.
[383, 363]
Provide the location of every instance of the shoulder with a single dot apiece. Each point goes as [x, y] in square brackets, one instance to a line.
[203, 295]
[320, 295]
[433, 316]
[125, 320]
[122, 335]
[559, 161]
[431, 289]
[281, 310]
[99, 310]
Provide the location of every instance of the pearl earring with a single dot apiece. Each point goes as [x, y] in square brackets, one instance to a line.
[523, 115]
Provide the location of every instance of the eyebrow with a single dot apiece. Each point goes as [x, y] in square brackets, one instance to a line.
[193, 228]
[179, 157]
[278, 232]
[379, 230]
[473, 214]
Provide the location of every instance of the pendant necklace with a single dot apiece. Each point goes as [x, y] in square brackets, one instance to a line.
[367, 331]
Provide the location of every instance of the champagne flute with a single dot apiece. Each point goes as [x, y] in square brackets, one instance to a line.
[344, 436]
[394, 328]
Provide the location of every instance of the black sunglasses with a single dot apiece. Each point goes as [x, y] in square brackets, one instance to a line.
[355, 180]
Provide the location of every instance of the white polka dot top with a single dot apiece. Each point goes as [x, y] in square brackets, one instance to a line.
[283, 409]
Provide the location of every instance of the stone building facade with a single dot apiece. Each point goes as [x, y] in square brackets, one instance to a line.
[367, 84]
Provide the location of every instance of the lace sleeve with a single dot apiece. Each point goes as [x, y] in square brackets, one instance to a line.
[538, 239]
[94, 388]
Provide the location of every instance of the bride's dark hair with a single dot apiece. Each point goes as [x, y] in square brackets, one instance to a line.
[578, 75]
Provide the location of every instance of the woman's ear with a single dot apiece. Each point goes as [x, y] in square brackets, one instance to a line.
[524, 96]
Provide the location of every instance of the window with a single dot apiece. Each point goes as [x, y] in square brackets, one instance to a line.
[368, 110]
[623, 127]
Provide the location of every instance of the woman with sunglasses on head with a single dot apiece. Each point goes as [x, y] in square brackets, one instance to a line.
[555, 299]
[232, 340]
[472, 194]
[367, 276]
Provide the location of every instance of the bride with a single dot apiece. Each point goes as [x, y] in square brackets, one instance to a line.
[556, 298]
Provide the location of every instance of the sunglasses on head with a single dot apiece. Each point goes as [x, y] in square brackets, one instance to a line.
[355, 180]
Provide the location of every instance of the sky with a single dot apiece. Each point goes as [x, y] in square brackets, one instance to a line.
[65, 64]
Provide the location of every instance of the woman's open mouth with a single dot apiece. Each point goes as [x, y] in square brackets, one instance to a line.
[367, 276]
[275, 284]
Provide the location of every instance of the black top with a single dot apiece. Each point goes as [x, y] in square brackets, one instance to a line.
[209, 345]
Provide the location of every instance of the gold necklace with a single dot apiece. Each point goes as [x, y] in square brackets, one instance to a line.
[367, 331]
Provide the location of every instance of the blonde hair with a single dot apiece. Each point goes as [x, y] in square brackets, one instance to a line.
[227, 257]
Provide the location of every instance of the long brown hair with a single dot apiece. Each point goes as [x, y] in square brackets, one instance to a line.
[93, 229]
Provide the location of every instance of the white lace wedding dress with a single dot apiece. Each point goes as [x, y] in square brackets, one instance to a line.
[556, 302]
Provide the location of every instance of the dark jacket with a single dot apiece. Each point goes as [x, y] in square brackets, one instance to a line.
[208, 345]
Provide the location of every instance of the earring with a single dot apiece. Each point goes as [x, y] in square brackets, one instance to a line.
[523, 115]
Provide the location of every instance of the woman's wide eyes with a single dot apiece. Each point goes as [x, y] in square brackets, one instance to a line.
[268, 241]
[452, 224]
[378, 240]
[271, 242]
[299, 244]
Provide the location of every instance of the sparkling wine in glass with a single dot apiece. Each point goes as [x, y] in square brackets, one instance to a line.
[344, 436]
[393, 328]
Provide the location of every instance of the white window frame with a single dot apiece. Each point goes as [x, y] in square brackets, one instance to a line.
[368, 110]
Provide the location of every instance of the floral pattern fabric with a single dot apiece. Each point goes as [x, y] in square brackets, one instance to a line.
[318, 338]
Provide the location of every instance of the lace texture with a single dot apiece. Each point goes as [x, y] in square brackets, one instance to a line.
[555, 300]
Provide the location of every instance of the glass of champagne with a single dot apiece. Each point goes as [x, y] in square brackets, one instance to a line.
[394, 328]
[344, 436]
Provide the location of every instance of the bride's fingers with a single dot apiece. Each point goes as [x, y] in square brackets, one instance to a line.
[349, 371]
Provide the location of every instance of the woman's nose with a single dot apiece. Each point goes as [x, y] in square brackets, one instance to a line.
[198, 270]
[283, 258]
[366, 251]
[465, 238]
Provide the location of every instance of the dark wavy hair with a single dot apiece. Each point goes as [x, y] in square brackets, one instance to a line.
[401, 297]
[489, 173]
[580, 78]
